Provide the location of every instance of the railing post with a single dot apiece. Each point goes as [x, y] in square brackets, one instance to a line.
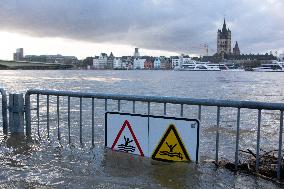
[279, 161]
[28, 114]
[4, 111]
[16, 113]
[237, 139]
[217, 136]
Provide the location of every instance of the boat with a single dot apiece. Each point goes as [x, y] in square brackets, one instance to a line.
[193, 65]
[274, 66]
[232, 67]
[218, 65]
[229, 66]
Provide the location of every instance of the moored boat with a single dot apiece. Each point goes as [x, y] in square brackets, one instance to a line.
[198, 66]
[274, 66]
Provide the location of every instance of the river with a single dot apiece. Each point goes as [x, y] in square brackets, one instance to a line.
[53, 164]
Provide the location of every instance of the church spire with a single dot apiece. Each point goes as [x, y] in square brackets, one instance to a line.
[224, 26]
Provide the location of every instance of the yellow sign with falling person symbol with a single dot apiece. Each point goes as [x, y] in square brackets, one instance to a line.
[171, 147]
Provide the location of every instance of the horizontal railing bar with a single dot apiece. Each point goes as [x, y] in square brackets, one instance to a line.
[165, 99]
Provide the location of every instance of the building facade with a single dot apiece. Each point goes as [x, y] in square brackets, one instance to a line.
[165, 63]
[110, 59]
[148, 64]
[185, 59]
[175, 61]
[18, 55]
[127, 62]
[117, 63]
[224, 38]
[52, 59]
[138, 63]
[96, 62]
[100, 62]
[157, 63]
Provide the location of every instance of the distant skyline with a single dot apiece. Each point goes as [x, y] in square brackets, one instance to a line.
[157, 27]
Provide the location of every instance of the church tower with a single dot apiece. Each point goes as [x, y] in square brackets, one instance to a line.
[236, 49]
[224, 40]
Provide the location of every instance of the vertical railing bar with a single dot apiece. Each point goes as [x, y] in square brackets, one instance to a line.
[148, 108]
[93, 122]
[165, 108]
[237, 139]
[258, 140]
[279, 161]
[28, 114]
[37, 114]
[118, 105]
[4, 111]
[68, 120]
[105, 104]
[199, 112]
[81, 138]
[181, 110]
[217, 135]
[58, 122]
[47, 115]
[133, 106]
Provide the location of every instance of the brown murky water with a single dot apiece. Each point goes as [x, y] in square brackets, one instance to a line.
[56, 164]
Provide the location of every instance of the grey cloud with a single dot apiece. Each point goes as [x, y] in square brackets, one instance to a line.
[171, 25]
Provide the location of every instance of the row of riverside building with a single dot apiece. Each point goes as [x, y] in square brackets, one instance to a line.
[138, 62]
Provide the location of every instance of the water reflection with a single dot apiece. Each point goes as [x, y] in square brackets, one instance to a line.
[176, 175]
[123, 166]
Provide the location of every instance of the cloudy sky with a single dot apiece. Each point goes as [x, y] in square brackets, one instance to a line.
[157, 27]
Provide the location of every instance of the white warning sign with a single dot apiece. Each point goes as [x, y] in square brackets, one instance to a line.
[159, 137]
[171, 147]
[184, 133]
[126, 141]
[127, 133]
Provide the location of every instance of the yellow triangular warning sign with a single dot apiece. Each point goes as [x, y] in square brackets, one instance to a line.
[170, 147]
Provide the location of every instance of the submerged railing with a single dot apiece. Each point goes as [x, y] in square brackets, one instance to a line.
[4, 111]
[164, 101]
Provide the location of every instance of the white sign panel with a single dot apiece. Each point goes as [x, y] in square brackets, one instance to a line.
[161, 138]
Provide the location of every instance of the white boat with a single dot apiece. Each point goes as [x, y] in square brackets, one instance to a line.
[197, 66]
[230, 66]
[274, 66]
[218, 65]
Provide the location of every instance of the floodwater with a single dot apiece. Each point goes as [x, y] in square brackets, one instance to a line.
[44, 163]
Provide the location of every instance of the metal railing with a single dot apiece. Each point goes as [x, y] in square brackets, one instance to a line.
[4, 111]
[260, 106]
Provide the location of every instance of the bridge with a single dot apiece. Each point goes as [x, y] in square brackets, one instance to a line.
[7, 64]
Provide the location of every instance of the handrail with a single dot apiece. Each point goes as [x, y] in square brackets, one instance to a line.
[165, 99]
[4, 111]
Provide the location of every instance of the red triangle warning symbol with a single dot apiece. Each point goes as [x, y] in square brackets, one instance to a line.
[126, 140]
